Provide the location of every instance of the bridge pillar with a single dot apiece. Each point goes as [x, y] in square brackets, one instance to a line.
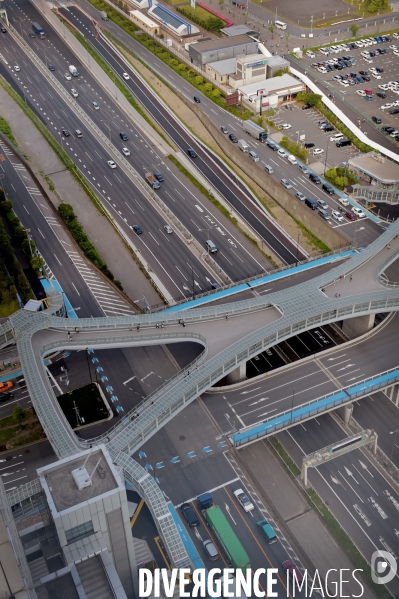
[393, 394]
[345, 412]
[239, 374]
[354, 327]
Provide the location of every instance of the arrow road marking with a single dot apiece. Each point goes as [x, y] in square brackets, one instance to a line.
[366, 481]
[349, 473]
[336, 481]
[365, 467]
[229, 513]
[348, 483]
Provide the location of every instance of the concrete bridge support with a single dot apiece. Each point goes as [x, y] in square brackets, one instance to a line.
[237, 375]
[345, 412]
[393, 394]
[354, 327]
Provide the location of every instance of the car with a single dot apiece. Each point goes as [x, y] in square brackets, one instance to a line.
[51, 67]
[125, 151]
[363, 73]
[310, 54]
[381, 95]
[328, 189]
[190, 515]
[309, 144]
[78, 133]
[197, 99]
[32, 35]
[123, 136]
[17, 68]
[191, 153]
[233, 138]
[6, 386]
[285, 183]
[243, 499]
[159, 177]
[293, 572]
[303, 168]
[343, 201]
[126, 76]
[306, 107]
[272, 145]
[376, 119]
[344, 83]
[376, 75]
[5, 396]
[138, 230]
[65, 132]
[3, 30]
[386, 106]
[67, 76]
[111, 164]
[300, 196]
[388, 129]
[337, 215]
[168, 229]
[359, 213]
[74, 93]
[315, 178]
[317, 151]
[361, 92]
[215, 285]
[210, 550]
[394, 111]
[285, 126]
[350, 215]
[95, 106]
[224, 129]
[328, 129]
[337, 78]
[322, 204]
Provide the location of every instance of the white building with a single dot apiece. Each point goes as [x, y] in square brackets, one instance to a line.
[273, 91]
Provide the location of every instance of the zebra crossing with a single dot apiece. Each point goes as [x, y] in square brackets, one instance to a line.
[109, 300]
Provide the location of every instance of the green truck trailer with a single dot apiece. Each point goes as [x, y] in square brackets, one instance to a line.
[227, 538]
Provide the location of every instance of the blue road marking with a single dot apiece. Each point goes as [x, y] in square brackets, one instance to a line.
[142, 454]
[159, 465]
[55, 284]
[207, 449]
[175, 460]
[191, 454]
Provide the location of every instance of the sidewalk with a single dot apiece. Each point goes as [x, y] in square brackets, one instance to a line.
[42, 159]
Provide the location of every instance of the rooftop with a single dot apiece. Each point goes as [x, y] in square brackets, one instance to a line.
[224, 42]
[62, 486]
[238, 30]
[382, 169]
[285, 82]
[224, 67]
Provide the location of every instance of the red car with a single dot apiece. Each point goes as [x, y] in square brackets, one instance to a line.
[289, 566]
[349, 215]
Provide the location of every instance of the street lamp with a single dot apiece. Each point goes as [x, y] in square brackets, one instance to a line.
[394, 441]
[311, 25]
[325, 161]
[107, 121]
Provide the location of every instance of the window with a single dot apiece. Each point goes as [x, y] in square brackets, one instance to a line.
[77, 532]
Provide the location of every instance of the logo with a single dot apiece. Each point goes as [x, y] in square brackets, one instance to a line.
[383, 567]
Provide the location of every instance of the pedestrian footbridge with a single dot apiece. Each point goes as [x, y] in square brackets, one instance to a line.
[230, 335]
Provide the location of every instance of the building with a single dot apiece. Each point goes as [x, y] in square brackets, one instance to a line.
[239, 30]
[273, 91]
[221, 49]
[378, 187]
[242, 70]
[144, 22]
[275, 64]
[172, 22]
[220, 70]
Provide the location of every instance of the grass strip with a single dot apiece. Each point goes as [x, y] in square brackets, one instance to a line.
[332, 524]
[217, 204]
[6, 129]
[13, 434]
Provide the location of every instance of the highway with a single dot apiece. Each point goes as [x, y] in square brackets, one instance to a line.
[218, 116]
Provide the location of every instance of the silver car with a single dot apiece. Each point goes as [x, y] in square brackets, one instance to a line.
[285, 183]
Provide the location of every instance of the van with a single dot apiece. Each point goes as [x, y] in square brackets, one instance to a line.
[210, 246]
[242, 144]
[269, 169]
[343, 142]
[78, 133]
[292, 159]
[210, 550]
[324, 214]
[267, 531]
[328, 189]
[336, 137]
[253, 156]
[312, 204]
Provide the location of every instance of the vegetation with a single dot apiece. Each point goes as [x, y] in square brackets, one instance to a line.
[6, 129]
[13, 435]
[271, 29]
[281, 72]
[374, 6]
[341, 176]
[89, 403]
[294, 148]
[19, 415]
[310, 99]
[354, 29]
[70, 219]
[202, 17]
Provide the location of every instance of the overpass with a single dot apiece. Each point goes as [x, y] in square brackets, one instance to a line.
[230, 335]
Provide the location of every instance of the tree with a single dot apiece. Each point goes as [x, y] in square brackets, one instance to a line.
[199, 80]
[271, 29]
[287, 37]
[19, 416]
[354, 29]
[221, 2]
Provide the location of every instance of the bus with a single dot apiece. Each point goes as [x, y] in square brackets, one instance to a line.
[280, 24]
[235, 552]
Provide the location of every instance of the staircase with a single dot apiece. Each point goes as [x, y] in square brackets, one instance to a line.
[38, 569]
[93, 578]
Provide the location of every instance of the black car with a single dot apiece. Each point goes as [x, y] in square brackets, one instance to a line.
[328, 189]
[381, 95]
[363, 73]
[272, 145]
[233, 138]
[366, 78]
[3, 30]
[379, 69]
[190, 515]
[306, 107]
[123, 136]
[314, 178]
[388, 129]
[329, 128]
[65, 132]
[309, 144]
[376, 119]
[32, 35]
[191, 153]
[197, 99]
[159, 177]
[137, 229]
[394, 111]
[5, 396]
[51, 67]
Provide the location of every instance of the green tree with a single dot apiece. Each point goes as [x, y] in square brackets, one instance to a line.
[221, 2]
[287, 37]
[19, 416]
[271, 29]
[354, 29]
[208, 87]
[199, 80]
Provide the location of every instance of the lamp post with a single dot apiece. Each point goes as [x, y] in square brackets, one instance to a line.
[311, 26]
[88, 364]
[107, 121]
[325, 161]
[292, 404]
[297, 249]
[394, 441]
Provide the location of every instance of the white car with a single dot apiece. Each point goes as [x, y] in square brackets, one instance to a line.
[386, 106]
[126, 76]
[74, 93]
[95, 106]
[393, 47]
[337, 215]
[67, 76]
[343, 201]
[396, 36]
[244, 500]
[168, 229]
[317, 151]
[111, 164]
[310, 54]
[344, 83]
[383, 86]
[126, 151]
[361, 92]
[17, 68]
[285, 126]
[376, 75]
[359, 213]
[282, 153]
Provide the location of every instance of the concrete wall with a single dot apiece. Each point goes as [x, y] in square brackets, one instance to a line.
[354, 327]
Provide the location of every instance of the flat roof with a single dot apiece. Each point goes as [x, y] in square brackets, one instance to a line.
[224, 67]
[224, 42]
[62, 487]
[385, 171]
[273, 84]
[238, 30]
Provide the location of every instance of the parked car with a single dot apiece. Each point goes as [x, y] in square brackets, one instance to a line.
[309, 144]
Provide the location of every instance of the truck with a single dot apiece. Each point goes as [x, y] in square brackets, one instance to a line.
[152, 181]
[205, 501]
[104, 15]
[242, 144]
[254, 130]
[235, 552]
[38, 30]
[73, 70]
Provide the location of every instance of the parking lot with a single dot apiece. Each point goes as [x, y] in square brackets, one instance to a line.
[380, 56]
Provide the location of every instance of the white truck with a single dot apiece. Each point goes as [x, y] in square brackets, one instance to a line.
[73, 70]
[242, 144]
[104, 15]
